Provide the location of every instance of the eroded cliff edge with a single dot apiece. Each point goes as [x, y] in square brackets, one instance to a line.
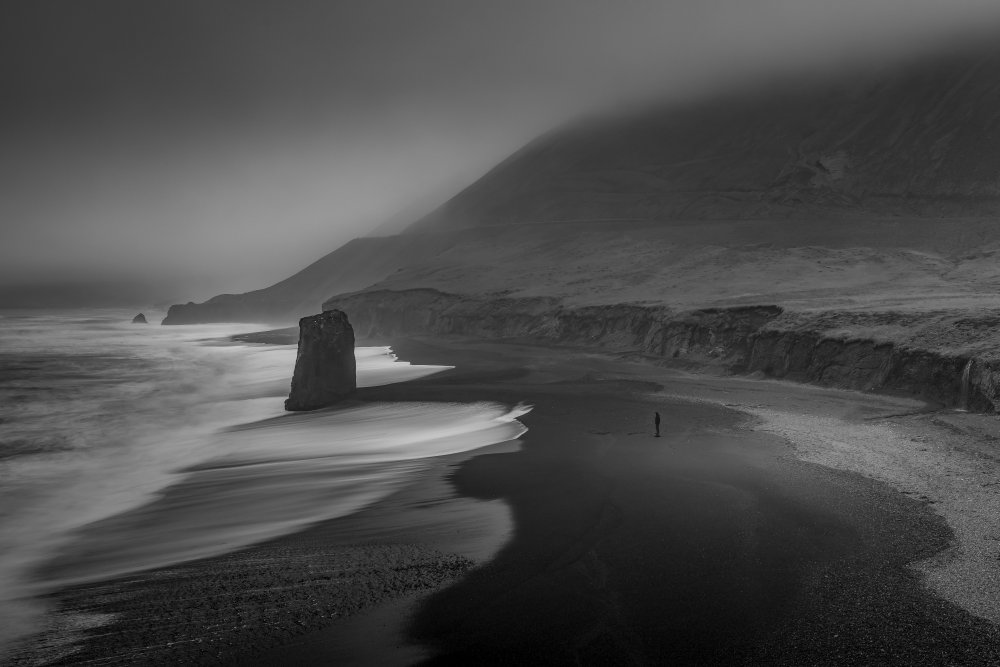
[943, 358]
[325, 368]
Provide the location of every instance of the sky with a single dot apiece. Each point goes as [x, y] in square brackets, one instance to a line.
[182, 148]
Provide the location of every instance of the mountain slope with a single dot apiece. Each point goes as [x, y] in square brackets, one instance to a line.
[638, 207]
[353, 266]
[919, 141]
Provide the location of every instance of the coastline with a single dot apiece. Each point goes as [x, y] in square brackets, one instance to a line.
[617, 543]
[867, 601]
[229, 608]
[946, 459]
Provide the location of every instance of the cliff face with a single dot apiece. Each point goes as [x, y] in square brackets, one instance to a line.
[752, 339]
[325, 369]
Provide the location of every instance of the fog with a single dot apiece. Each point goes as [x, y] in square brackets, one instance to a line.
[196, 147]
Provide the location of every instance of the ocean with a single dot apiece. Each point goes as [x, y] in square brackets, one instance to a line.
[127, 446]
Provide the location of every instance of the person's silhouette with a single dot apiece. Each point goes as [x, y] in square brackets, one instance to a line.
[656, 422]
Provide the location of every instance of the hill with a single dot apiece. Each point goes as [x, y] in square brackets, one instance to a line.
[920, 141]
[842, 232]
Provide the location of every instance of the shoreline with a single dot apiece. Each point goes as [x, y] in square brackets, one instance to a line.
[230, 607]
[946, 459]
[570, 490]
[838, 408]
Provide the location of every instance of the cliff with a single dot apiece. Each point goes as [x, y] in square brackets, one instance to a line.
[325, 370]
[948, 358]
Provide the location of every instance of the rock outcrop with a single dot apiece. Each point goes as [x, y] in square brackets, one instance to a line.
[325, 369]
[139, 319]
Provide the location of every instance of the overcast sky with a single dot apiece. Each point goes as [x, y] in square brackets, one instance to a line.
[210, 146]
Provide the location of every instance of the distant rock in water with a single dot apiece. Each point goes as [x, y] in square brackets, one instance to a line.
[325, 370]
[139, 319]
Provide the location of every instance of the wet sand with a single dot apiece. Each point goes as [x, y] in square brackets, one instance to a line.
[713, 544]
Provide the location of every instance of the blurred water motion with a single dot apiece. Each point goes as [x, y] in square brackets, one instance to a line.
[126, 447]
[277, 476]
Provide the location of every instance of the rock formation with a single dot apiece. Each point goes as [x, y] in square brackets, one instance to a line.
[325, 370]
[139, 319]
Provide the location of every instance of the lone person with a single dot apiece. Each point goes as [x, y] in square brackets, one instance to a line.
[656, 422]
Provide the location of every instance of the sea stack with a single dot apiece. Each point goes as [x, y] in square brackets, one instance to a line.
[325, 370]
[139, 319]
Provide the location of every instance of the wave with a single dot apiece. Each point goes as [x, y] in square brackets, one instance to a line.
[127, 447]
[269, 480]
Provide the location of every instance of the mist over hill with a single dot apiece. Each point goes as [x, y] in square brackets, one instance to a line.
[835, 176]
[919, 141]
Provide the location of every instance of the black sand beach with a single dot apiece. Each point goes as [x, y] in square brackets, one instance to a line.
[711, 545]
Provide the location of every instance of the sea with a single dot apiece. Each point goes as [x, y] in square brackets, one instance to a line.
[125, 447]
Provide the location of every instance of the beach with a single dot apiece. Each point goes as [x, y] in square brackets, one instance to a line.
[746, 534]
